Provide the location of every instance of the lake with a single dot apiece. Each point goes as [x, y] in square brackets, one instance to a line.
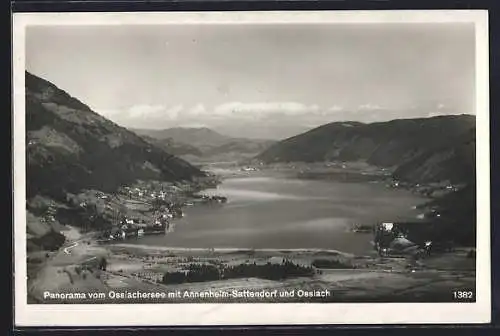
[289, 213]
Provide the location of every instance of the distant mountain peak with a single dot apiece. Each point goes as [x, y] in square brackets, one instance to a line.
[188, 135]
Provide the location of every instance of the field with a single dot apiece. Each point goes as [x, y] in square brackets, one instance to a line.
[140, 269]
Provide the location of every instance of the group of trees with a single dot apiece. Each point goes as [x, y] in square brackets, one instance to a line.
[50, 241]
[92, 217]
[331, 263]
[196, 273]
[270, 271]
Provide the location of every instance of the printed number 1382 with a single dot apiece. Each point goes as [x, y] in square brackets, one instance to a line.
[463, 295]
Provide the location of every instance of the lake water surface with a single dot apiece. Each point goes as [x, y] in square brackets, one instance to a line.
[287, 213]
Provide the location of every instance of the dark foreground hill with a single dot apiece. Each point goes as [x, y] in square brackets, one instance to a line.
[458, 211]
[70, 148]
[417, 150]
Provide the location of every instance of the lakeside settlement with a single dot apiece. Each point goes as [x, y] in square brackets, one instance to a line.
[102, 260]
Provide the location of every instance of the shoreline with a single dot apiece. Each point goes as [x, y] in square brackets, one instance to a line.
[235, 172]
[231, 249]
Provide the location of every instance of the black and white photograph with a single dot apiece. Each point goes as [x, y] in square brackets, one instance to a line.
[172, 162]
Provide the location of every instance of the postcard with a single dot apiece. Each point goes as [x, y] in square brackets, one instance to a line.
[251, 168]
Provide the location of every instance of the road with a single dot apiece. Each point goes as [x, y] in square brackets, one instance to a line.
[66, 249]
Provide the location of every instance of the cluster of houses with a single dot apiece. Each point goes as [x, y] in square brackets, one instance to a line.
[248, 169]
[49, 215]
[161, 204]
[428, 189]
[145, 192]
[126, 227]
[101, 195]
[410, 238]
[387, 234]
[135, 228]
[210, 198]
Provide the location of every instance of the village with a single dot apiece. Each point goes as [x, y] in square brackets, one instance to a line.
[149, 209]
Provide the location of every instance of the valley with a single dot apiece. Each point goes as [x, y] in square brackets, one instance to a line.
[110, 209]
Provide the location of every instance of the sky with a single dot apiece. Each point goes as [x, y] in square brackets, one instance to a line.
[259, 81]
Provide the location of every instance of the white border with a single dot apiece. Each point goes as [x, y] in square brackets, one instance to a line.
[255, 314]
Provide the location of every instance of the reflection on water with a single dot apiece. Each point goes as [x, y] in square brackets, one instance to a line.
[238, 194]
[254, 189]
[269, 212]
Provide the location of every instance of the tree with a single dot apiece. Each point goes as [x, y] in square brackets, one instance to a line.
[103, 263]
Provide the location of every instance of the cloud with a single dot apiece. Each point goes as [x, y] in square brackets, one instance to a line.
[263, 110]
[146, 111]
[173, 112]
[369, 106]
[108, 113]
[199, 113]
[236, 114]
[142, 112]
[335, 108]
[197, 110]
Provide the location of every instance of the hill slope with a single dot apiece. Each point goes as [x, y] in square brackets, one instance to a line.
[424, 149]
[458, 212]
[70, 147]
[197, 137]
[204, 143]
[173, 147]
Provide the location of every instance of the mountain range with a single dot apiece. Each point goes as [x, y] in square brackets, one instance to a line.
[70, 148]
[422, 149]
[204, 144]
